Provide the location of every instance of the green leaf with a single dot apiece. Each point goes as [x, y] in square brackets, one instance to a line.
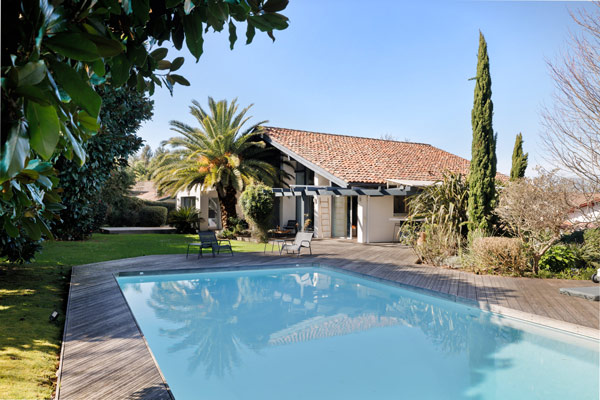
[44, 128]
[179, 79]
[275, 5]
[12, 230]
[192, 25]
[141, 10]
[98, 67]
[164, 64]
[34, 93]
[250, 32]
[258, 22]
[119, 69]
[29, 173]
[73, 45]
[177, 63]
[31, 229]
[159, 53]
[232, 34]
[106, 47]
[276, 21]
[80, 92]
[31, 73]
[14, 152]
[87, 121]
[79, 152]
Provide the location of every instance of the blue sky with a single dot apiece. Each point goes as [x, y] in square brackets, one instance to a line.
[397, 68]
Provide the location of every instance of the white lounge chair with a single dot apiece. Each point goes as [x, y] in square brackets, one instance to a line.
[302, 239]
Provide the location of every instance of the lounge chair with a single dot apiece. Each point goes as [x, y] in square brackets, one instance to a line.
[292, 225]
[302, 239]
[208, 240]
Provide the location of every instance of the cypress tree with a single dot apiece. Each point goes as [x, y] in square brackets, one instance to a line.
[519, 160]
[482, 174]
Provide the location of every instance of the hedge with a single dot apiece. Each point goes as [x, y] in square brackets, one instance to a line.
[152, 216]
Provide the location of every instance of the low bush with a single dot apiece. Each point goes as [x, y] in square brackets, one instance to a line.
[124, 212]
[238, 226]
[152, 216]
[497, 255]
[227, 234]
[435, 243]
[590, 251]
[561, 257]
[170, 205]
[185, 220]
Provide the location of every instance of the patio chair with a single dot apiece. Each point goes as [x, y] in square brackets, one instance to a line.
[292, 224]
[208, 240]
[302, 239]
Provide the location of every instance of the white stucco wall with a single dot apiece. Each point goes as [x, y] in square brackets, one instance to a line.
[322, 222]
[374, 213]
[585, 214]
[201, 202]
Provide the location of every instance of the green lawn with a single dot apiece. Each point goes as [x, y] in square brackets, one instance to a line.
[29, 343]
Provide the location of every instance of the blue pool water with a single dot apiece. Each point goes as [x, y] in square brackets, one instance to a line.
[313, 333]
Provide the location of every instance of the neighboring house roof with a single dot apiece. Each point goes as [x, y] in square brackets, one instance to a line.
[355, 159]
[145, 190]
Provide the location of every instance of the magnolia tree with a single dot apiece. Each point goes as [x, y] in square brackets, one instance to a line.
[535, 210]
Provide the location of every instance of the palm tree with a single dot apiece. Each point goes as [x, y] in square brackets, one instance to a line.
[216, 154]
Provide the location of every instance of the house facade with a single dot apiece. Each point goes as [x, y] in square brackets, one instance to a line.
[342, 186]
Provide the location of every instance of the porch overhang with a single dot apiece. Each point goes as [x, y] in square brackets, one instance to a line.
[338, 191]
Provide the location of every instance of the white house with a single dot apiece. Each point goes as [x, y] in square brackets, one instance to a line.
[342, 186]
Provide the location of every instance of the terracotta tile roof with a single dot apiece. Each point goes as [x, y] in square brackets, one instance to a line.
[366, 160]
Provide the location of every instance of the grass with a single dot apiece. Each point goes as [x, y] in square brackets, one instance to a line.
[29, 343]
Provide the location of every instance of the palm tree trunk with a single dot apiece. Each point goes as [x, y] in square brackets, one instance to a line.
[227, 200]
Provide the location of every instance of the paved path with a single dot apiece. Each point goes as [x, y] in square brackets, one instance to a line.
[105, 356]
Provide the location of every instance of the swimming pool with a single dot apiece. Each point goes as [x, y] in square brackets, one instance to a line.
[317, 333]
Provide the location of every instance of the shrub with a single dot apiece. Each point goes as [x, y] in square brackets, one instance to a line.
[18, 249]
[257, 204]
[238, 225]
[498, 255]
[575, 237]
[590, 251]
[152, 216]
[435, 243]
[227, 234]
[124, 212]
[185, 220]
[560, 257]
[170, 205]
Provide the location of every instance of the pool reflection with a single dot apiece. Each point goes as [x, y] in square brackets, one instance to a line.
[214, 319]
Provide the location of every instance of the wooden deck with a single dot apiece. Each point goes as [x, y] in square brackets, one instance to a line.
[105, 356]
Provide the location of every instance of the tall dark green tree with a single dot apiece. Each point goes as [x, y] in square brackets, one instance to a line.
[482, 175]
[519, 160]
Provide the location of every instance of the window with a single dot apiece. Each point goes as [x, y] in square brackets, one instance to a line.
[400, 205]
[188, 202]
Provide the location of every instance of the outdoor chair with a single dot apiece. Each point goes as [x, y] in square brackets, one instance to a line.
[302, 239]
[208, 240]
[292, 224]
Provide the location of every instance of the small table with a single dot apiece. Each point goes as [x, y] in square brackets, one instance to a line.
[280, 243]
[276, 238]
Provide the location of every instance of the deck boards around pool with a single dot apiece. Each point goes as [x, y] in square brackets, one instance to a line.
[105, 355]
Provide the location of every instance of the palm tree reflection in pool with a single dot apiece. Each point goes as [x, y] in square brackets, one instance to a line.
[221, 317]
